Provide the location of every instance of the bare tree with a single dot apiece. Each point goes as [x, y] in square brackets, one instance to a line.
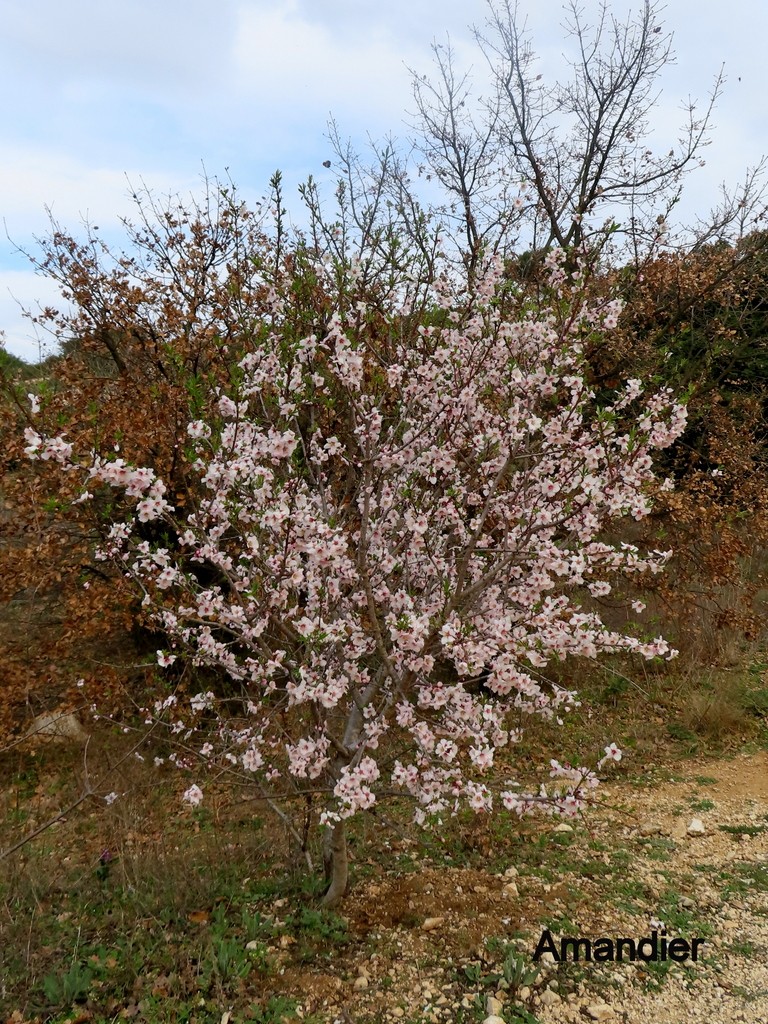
[462, 152]
[568, 163]
[378, 225]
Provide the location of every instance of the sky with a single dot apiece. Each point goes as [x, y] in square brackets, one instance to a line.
[97, 96]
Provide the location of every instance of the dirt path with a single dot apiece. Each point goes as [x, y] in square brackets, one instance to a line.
[699, 853]
[689, 854]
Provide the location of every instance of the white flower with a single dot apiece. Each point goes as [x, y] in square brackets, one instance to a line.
[194, 796]
[197, 429]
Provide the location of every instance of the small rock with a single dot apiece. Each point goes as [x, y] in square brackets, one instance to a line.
[360, 983]
[494, 1019]
[511, 873]
[493, 1007]
[696, 827]
[547, 958]
[61, 726]
[510, 889]
[686, 903]
[398, 1011]
[562, 827]
[524, 994]
[549, 998]
[649, 829]
[599, 1011]
[432, 923]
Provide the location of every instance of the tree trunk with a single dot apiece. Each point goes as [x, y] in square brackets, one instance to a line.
[336, 864]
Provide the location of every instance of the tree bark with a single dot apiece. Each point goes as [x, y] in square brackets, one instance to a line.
[336, 864]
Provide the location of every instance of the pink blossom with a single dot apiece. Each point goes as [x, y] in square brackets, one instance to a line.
[193, 795]
[408, 564]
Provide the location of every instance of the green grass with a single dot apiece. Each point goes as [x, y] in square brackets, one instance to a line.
[697, 804]
[210, 912]
[743, 878]
[743, 830]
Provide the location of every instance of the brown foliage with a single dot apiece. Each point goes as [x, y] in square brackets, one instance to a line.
[158, 329]
[696, 321]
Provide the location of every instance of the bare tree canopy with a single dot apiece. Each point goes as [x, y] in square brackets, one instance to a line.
[572, 162]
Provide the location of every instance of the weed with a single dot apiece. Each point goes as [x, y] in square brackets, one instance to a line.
[679, 919]
[745, 877]
[743, 830]
[71, 986]
[655, 974]
[742, 947]
[658, 848]
[630, 896]
[228, 959]
[276, 1010]
[322, 925]
[701, 804]
[683, 734]
[519, 1015]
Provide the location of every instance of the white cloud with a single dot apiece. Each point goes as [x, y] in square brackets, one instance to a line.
[33, 178]
[175, 44]
[22, 290]
[305, 68]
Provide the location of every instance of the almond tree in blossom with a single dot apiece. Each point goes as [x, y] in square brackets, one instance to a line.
[377, 525]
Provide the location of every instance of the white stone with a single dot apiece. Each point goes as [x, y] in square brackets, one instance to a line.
[696, 827]
[493, 1007]
[58, 725]
[648, 828]
[599, 1011]
[549, 998]
[360, 983]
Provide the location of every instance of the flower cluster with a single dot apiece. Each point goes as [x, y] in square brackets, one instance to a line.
[399, 552]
